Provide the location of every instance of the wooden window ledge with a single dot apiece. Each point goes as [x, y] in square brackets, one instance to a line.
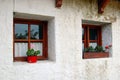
[88, 55]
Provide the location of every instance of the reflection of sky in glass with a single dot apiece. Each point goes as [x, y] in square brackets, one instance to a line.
[21, 29]
[36, 32]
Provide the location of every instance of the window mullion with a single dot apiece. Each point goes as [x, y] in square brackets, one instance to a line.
[14, 41]
[85, 37]
[45, 39]
[88, 37]
[99, 36]
[28, 36]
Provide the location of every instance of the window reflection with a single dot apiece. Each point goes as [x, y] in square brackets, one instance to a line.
[93, 44]
[82, 33]
[36, 32]
[21, 31]
[93, 34]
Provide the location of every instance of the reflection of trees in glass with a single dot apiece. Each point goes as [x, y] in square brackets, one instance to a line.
[21, 36]
[82, 34]
[24, 36]
[33, 35]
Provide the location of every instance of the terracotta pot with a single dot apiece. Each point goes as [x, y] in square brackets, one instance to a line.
[88, 55]
[32, 59]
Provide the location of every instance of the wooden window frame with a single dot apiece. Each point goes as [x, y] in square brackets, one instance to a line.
[89, 55]
[87, 37]
[44, 41]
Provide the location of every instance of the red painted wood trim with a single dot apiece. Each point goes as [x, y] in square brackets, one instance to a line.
[101, 5]
[26, 40]
[86, 34]
[58, 3]
[29, 46]
[13, 40]
[44, 40]
[25, 58]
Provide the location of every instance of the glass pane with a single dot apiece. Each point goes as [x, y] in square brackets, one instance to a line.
[21, 31]
[83, 33]
[37, 46]
[93, 34]
[21, 49]
[82, 46]
[36, 32]
[94, 44]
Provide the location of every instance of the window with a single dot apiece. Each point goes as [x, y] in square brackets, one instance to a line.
[92, 36]
[29, 32]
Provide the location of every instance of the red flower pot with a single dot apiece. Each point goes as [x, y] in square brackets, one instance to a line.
[32, 59]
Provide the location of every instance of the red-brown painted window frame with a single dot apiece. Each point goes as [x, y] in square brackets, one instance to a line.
[44, 40]
[86, 40]
[87, 37]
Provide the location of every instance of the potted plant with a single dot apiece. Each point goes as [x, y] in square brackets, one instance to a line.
[32, 55]
[96, 52]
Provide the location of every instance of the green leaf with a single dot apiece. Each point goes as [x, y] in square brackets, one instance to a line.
[32, 52]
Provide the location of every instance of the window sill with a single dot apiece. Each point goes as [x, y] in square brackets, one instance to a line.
[89, 55]
[37, 63]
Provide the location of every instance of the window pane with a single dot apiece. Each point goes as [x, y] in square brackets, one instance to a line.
[94, 44]
[21, 31]
[36, 32]
[93, 34]
[82, 46]
[20, 49]
[83, 33]
[37, 46]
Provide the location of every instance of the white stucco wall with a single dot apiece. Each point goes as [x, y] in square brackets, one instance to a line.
[65, 37]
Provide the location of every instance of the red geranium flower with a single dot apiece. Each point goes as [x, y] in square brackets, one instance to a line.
[107, 47]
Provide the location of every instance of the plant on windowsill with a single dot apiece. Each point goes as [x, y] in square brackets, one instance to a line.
[32, 55]
[96, 52]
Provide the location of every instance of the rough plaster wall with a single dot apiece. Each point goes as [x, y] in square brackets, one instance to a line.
[6, 29]
[51, 40]
[68, 64]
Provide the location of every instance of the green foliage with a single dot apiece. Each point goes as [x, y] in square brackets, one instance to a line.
[91, 49]
[25, 35]
[99, 49]
[37, 52]
[33, 34]
[32, 52]
[86, 50]
[96, 49]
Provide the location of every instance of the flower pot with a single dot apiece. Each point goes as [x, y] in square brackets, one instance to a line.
[88, 55]
[32, 59]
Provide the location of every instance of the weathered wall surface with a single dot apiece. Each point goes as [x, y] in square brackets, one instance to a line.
[67, 62]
